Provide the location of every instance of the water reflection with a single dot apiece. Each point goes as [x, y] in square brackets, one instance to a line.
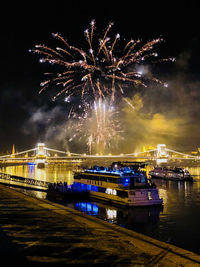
[178, 222]
[51, 173]
[129, 217]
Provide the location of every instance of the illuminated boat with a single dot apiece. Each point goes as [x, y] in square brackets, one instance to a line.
[125, 184]
[176, 174]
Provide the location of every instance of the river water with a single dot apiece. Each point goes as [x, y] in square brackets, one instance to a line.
[178, 222]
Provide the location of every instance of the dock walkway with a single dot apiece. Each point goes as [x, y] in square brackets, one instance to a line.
[42, 233]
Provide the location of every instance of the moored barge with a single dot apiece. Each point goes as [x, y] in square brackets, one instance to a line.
[176, 174]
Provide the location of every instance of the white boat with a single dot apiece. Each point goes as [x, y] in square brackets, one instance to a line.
[125, 184]
[176, 174]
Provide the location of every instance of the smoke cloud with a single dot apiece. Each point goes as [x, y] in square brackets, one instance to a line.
[167, 115]
[49, 125]
[149, 116]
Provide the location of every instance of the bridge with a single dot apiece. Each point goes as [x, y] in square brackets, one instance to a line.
[42, 154]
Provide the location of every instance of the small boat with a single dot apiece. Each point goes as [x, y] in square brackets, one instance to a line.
[121, 183]
[176, 174]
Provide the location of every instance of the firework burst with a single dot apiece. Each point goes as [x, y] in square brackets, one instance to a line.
[102, 70]
[98, 124]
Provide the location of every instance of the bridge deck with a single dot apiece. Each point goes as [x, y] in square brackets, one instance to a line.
[37, 232]
[43, 152]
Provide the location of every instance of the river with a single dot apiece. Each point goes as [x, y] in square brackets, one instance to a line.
[178, 222]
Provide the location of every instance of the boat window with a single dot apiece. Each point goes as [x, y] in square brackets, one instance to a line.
[85, 177]
[103, 178]
[108, 191]
[94, 188]
[102, 189]
[98, 178]
[149, 195]
[111, 191]
[89, 187]
[122, 194]
[114, 192]
[120, 181]
[116, 180]
[110, 180]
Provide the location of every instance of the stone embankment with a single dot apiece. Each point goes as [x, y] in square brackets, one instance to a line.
[38, 232]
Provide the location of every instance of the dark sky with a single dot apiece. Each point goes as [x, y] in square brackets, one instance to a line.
[23, 26]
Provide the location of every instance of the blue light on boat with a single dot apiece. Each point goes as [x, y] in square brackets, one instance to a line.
[120, 172]
[89, 187]
[94, 188]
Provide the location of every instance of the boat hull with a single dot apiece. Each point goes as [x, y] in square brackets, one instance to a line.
[134, 197]
[141, 203]
[171, 177]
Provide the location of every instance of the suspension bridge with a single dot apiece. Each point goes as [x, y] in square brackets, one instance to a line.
[42, 154]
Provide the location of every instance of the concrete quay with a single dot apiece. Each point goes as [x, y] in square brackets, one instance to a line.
[41, 233]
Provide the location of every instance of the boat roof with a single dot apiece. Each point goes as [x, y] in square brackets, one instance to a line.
[138, 164]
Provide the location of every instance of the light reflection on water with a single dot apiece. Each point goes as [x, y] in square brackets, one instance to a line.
[177, 223]
[51, 173]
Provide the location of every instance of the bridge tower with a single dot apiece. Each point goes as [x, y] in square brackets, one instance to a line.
[40, 158]
[13, 151]
[161, 154]
[40, 151]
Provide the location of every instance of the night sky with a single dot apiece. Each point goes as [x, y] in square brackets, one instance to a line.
[21, 73]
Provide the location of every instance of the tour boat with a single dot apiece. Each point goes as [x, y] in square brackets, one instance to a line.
[121, 183]
[176, 174]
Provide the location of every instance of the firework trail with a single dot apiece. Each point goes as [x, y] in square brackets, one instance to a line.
[103, 70]
[98, 124]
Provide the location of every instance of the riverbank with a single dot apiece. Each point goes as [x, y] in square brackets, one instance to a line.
[41, 232]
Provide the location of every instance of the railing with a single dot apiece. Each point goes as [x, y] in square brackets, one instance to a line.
[26, 182]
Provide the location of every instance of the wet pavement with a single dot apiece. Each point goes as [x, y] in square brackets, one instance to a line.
[39, 232]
